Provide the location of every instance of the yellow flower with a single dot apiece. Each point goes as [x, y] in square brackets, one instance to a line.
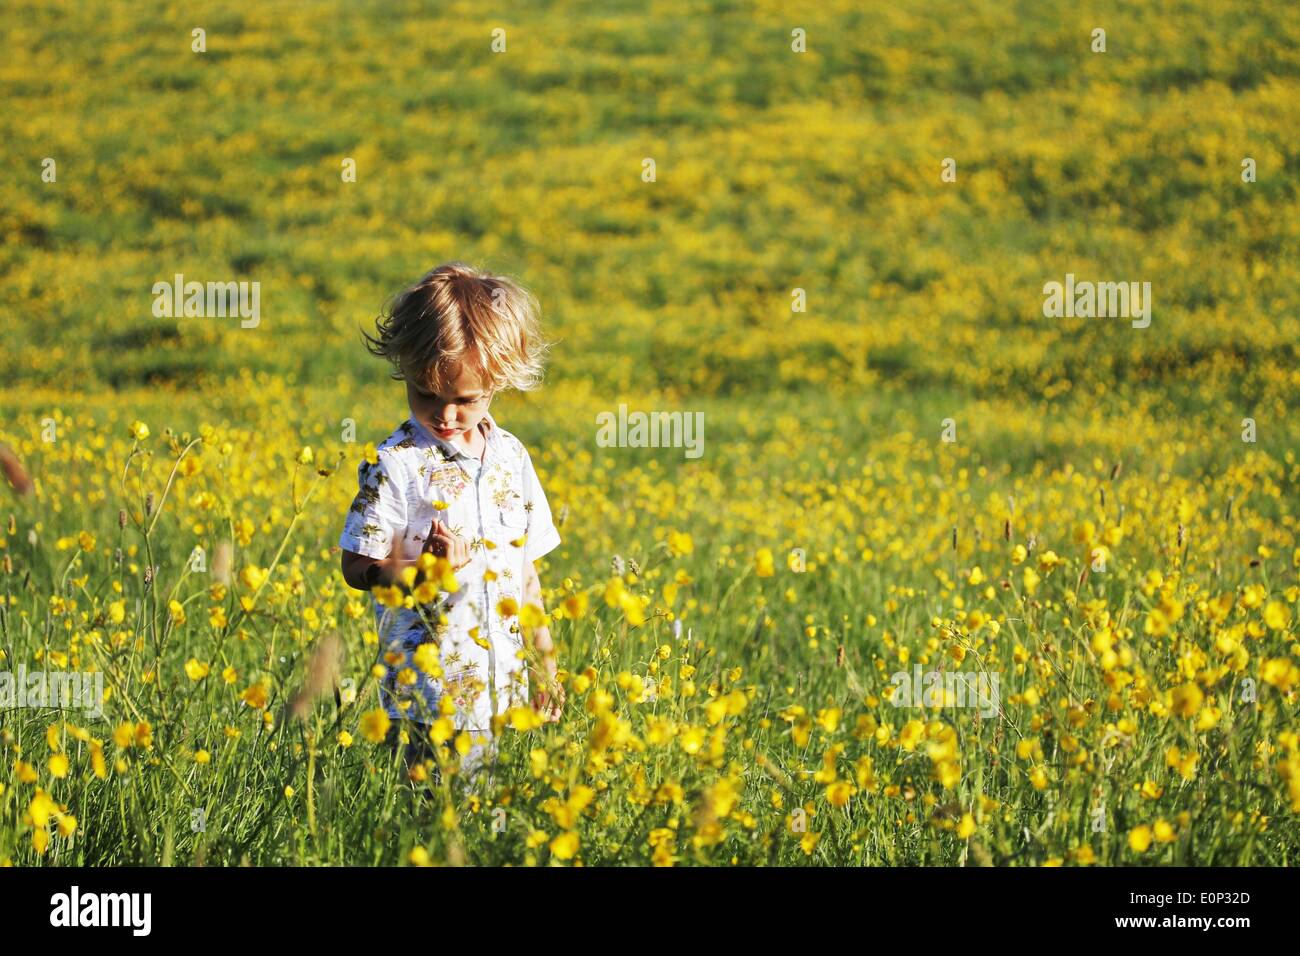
[1276, 616]
[680, 543]
[565, 846]
[59, 765]
[764, 563]
[948, 773]
[910, 735]
[966, 827]
[196, 670]
[1031, 580]
[255, 696]
[375, 724]
[345, 739]
[139, 430]
[427, 658]
[41, 808]
[419, 856]
[538, 762]
[532, 616]
[663, 853]
[389, 596]
[839, 792]
[507, 607]
[865, 773]
[692, 739]
[252, 577]
[523, 718]
[1139, 838]
[442, 730]
[1281, 673]
[575, 606]
[1186, 700]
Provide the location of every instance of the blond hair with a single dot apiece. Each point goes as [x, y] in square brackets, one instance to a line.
[458, 316]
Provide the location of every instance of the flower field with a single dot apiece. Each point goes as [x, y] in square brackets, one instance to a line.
[917, 473]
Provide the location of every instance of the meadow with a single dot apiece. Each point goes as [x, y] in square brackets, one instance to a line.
[919, 468]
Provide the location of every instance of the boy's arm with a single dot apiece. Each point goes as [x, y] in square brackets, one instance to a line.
[375, 522]
[550, 694]
[363, 572]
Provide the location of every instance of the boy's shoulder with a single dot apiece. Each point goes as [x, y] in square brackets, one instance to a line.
[512, 445]
[404, 449]
[404, 439]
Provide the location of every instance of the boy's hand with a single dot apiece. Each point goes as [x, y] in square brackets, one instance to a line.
[442, 543]
[549, 698]
[549, 702]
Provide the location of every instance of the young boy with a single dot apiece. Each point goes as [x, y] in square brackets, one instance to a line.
[451, 482]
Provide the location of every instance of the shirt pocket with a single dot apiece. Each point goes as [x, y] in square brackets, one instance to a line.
[506, 523]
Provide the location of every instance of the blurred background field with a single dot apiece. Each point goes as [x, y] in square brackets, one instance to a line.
[775, 171]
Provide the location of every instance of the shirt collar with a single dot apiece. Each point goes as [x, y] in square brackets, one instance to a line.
[488, 426]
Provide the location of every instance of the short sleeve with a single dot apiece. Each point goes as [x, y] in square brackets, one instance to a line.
[543, 536]
[377, 517]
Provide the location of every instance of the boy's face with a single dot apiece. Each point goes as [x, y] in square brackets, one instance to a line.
[455, 413]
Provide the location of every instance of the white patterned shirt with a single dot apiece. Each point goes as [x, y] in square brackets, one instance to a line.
[490, 504]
